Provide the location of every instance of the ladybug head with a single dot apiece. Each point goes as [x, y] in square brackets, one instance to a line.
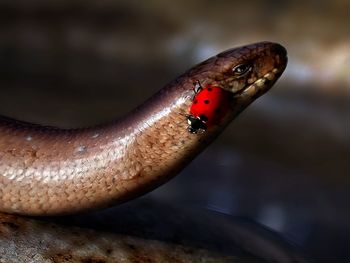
[196, 124]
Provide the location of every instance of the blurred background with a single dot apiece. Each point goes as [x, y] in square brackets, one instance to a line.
[284, 163]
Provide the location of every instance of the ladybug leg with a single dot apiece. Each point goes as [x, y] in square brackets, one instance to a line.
[192, 130]
[197, 87]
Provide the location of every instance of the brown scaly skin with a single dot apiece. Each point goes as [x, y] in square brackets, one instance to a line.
[47, 171]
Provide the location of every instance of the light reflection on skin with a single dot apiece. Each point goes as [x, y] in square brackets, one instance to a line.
[163, 113]
[74, 166]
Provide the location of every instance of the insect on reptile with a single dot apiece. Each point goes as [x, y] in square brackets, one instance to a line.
[208, 106]
[47, 171]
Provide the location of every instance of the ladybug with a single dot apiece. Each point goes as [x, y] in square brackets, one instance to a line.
[208, 106]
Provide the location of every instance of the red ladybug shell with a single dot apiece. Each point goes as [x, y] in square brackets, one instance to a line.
[210, 104]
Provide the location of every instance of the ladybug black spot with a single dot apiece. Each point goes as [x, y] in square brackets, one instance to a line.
[195, 101]
[210, 89]
[206, 101]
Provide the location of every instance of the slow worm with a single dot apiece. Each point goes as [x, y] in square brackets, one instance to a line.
[48, 171]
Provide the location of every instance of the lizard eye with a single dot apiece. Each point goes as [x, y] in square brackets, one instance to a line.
[241, 69]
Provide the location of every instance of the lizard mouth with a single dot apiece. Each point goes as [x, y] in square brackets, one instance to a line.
[278, 61]
[261, 85]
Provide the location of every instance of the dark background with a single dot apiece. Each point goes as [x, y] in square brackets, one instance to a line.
[283, 163]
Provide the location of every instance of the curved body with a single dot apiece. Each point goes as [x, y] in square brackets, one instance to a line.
[45, 170]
